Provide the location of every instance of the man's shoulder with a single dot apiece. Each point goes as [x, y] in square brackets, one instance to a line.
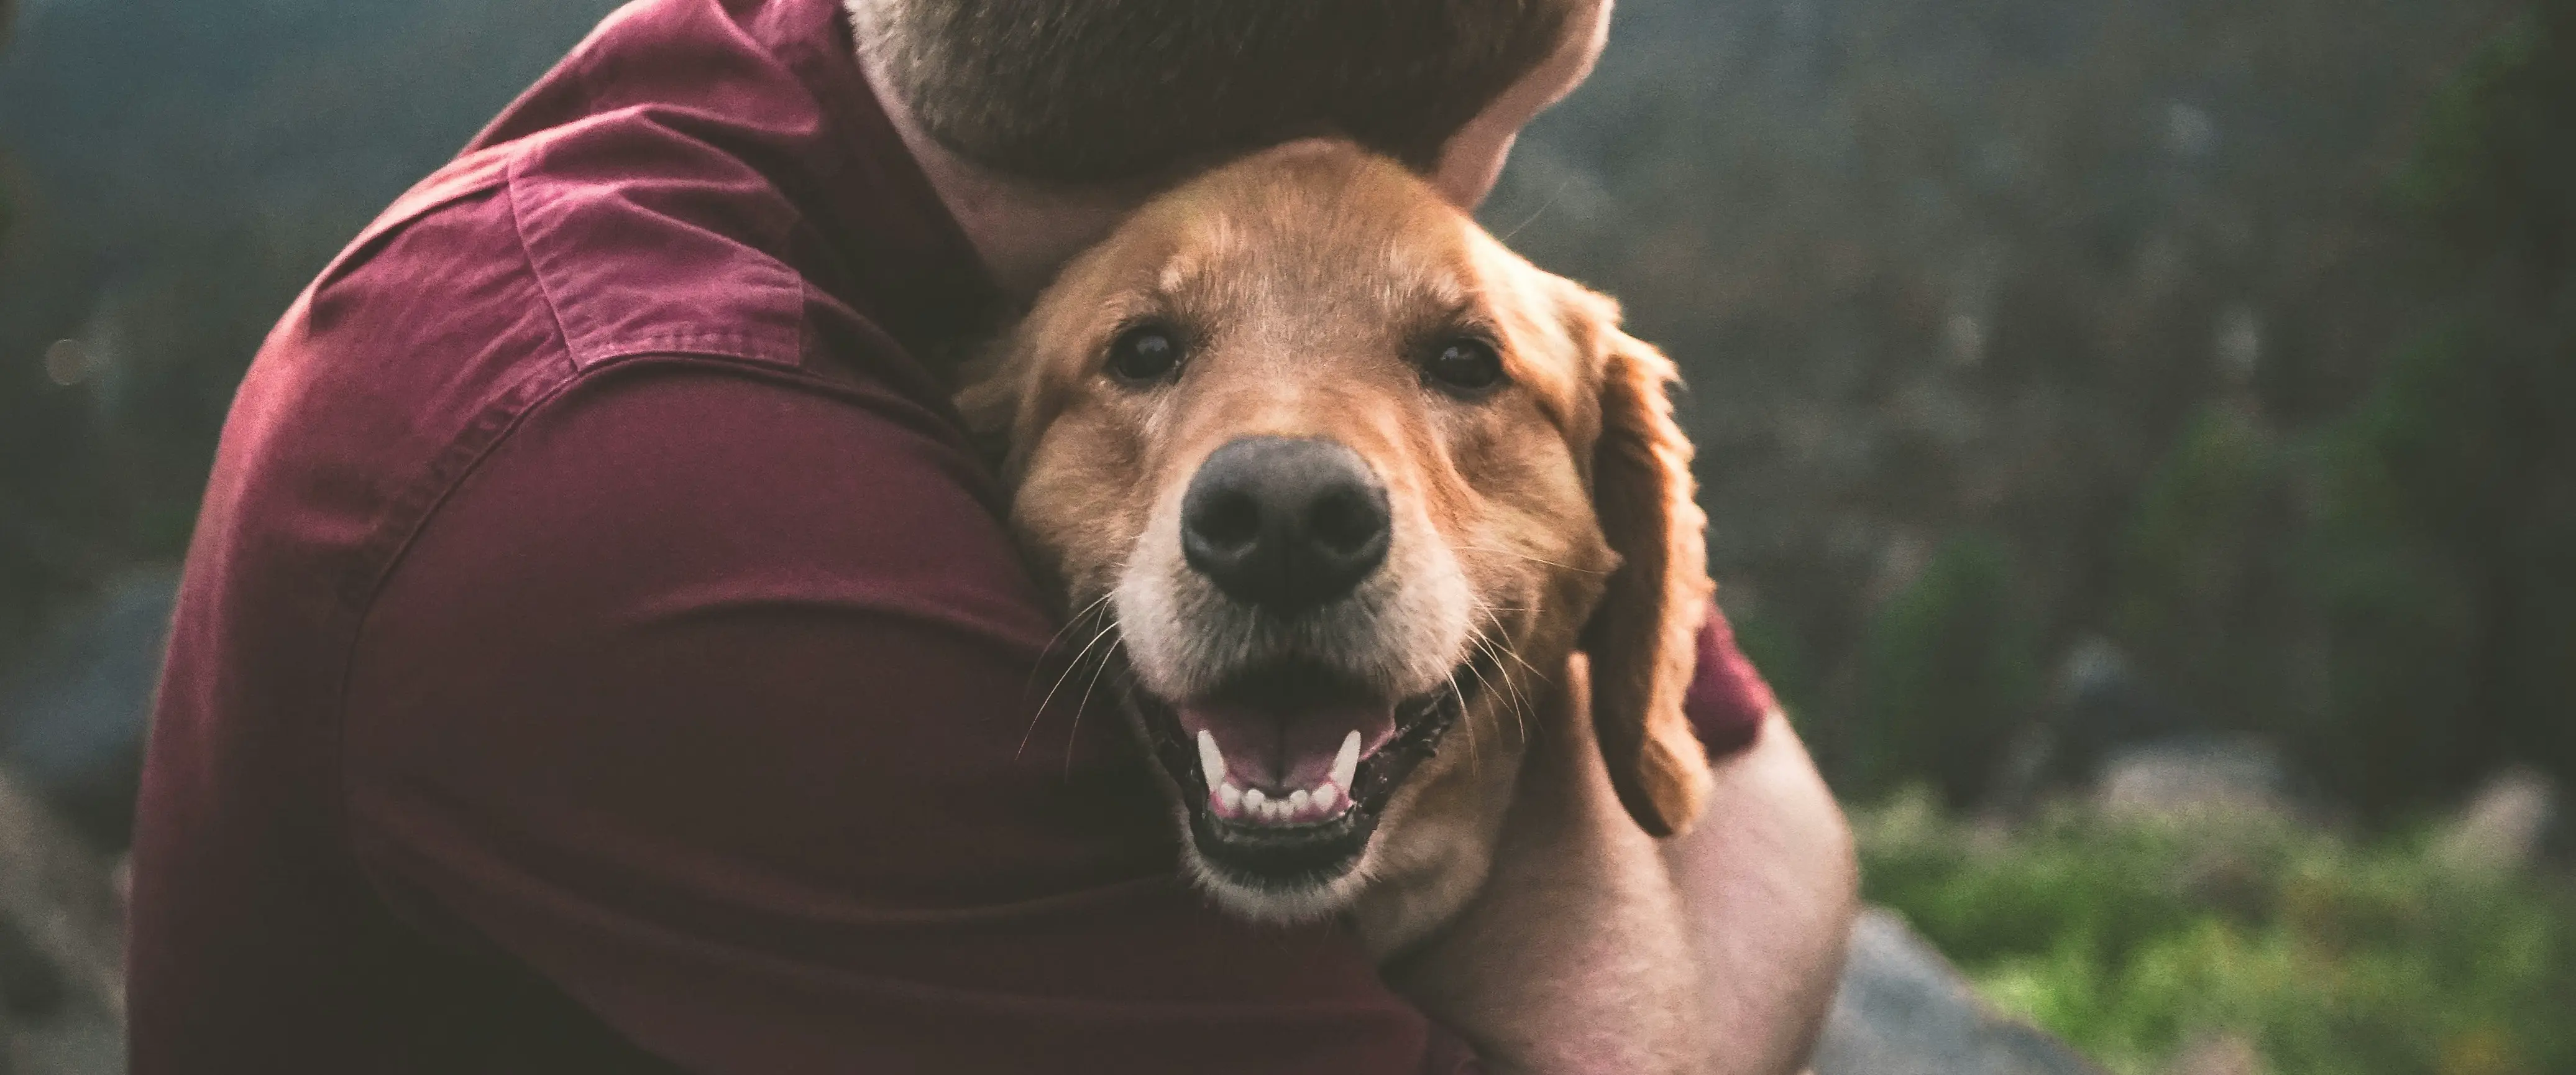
[608, 239]
[493, 291]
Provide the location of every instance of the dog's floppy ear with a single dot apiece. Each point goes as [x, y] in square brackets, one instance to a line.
[1643, 637]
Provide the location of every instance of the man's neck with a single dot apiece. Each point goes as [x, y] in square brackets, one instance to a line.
[1024, 231]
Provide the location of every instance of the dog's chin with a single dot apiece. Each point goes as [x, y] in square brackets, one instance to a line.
[1284, 871]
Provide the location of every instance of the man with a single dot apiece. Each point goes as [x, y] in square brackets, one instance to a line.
[600, 650]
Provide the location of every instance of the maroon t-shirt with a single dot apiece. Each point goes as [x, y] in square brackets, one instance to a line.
[602, 651]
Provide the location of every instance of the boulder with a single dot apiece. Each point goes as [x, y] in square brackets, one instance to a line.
[1904, 1010]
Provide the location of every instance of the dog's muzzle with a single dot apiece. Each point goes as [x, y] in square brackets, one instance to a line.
[1291, 749]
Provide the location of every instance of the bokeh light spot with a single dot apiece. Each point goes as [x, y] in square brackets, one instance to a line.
[67, 363]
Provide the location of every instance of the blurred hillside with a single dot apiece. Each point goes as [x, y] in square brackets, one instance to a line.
[2068, 373]
[2048, 369]
[178, 170]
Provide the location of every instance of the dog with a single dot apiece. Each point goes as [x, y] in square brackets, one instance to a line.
[1392, 538]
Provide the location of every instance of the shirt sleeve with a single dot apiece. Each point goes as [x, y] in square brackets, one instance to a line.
[1728, 699]
[715, 700]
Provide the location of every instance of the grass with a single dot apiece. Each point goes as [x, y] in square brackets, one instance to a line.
[2330, 956]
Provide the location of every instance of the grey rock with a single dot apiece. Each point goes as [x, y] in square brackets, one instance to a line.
[2503, 826]
[1904, 1010]
[65, 1007]
[2193, 777]
[74, 709]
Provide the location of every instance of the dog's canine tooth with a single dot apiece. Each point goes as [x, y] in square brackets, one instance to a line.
[1211, 760]
[1346, 766]
[1325, 796]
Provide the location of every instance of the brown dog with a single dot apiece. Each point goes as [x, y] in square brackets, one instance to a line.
[1347, 484]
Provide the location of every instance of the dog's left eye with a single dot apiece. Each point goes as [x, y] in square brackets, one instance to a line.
[1466, 365]
[1145, 354]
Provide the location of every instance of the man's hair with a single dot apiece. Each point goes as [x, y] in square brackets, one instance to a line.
[1096, 90]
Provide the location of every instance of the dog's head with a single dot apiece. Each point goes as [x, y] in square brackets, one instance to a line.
[1348, 482]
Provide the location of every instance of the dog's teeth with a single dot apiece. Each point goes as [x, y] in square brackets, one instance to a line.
[1297, 801]
[1231, 796]
[1326, 796]
[1346, 767]
[1254, 801]
[1211, 760]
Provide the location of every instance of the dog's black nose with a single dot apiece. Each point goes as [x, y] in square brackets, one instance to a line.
[1283, 523]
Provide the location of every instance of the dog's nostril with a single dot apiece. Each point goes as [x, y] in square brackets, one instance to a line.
[1229, 520]
[1345, 521]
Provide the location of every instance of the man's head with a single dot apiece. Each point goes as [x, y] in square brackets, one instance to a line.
[1085, 92]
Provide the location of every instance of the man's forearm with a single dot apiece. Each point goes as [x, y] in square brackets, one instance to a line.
[1772, 884]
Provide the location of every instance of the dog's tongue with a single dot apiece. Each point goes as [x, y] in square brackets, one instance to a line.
[1280, 747]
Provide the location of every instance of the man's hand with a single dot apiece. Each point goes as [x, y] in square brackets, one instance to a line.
[1773, 886]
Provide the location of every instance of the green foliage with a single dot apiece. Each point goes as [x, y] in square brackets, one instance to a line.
[2444, 553]
[1775, 648]
[2131, 939]
[2199, 570]
[1948, 673]
[2395, 564]
[2495, 170]
[2390, 592]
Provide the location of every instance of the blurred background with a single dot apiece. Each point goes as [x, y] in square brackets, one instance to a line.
[2139, 436]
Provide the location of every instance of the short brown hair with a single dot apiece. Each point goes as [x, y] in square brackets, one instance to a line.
[1094, 90]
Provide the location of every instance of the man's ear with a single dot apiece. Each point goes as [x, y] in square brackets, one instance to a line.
[1643, 637]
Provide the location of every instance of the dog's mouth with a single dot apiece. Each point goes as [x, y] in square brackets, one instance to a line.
[1287, 767]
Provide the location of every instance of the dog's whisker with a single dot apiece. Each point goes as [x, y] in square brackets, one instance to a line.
[1520, 660]
[1541, 211]
[1071, 624]
[1492, 615]
[1513, 693]
[1075, 665]
[1517, 554]
[1075, 734]
[1461, 696]
[1510, 697]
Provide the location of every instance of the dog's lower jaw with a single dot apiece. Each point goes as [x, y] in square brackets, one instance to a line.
[1426, 865]
[1418, 870]
[1276, 906]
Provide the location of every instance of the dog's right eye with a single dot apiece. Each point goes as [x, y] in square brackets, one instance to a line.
[1144, 355]
[1466, 365]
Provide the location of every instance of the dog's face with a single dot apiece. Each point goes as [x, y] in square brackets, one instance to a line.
[1346, 482]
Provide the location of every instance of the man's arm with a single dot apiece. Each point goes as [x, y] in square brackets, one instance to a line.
[1773, 886]
[708, 698]
[1595, 948]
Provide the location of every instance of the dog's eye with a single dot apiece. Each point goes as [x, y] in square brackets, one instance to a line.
[1466, 365]
[1140, 355]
